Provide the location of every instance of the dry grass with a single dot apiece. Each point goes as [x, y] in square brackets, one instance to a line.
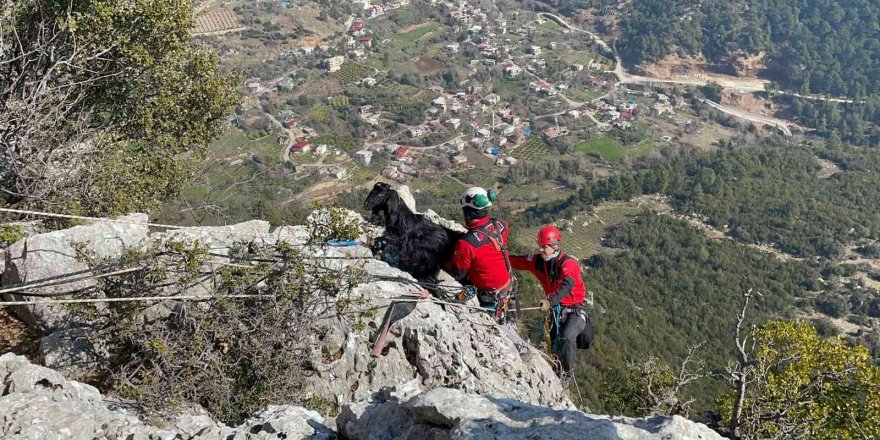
[16, 337]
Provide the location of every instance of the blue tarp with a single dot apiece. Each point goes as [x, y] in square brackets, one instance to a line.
[495, 151]
[342, 242]
[527, 131]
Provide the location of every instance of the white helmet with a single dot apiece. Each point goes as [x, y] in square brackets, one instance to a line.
[477, 198]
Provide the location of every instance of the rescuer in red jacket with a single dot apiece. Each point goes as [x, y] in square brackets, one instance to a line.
[560, 277]
[481, 259]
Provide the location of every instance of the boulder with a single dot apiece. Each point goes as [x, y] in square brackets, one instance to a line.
[72, 351]
[65, 252]
[39, 403]
[453, 414]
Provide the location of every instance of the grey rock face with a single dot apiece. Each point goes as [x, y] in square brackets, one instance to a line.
[44, 256]
[435, 344]
[452, 414]
[71, 351]
[37, 403]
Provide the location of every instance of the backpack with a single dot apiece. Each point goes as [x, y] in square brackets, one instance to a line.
[585, 338]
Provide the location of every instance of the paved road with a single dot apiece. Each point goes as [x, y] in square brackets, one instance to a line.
[291, 138]
[783, 126]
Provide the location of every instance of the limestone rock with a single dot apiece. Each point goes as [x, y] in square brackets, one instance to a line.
[62, 252]
[453, 414]
[437, 345]
[406, 196]
[37, 403]
[72, 351]
[434, 217]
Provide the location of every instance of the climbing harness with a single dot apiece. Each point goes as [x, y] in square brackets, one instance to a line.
[503, 295]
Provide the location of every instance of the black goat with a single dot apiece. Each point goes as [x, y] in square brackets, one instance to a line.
[411, 241]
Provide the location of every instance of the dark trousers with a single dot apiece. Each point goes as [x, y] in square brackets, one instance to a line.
[571, 323]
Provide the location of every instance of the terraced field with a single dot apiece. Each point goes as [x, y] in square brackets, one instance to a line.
[532, 148]
[217, 20]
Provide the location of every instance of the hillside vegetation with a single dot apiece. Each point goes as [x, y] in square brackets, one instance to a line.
[816, 46]
[772, 195]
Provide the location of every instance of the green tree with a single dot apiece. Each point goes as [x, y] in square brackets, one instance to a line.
[105, 107]
[801, 386]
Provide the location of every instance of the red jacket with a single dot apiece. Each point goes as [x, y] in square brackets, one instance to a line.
[477, 259]
[562, 285]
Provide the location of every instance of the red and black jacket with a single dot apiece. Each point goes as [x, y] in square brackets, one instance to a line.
[560, 277]
[479, 258]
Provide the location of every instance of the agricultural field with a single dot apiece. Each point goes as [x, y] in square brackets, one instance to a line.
[339, 101]
[608, 148]
[428, 66]
[411, 36]
[643, 148]
[216, 20]
[532, 148]
[350, 73]
[511, 87]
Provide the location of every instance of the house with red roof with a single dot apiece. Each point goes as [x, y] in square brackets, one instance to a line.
[300, 147]
[401, 152]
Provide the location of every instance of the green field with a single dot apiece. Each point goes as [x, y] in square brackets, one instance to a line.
[511, 86]
[643, 148]
[410, 38]
[585, 238]
[606, 147]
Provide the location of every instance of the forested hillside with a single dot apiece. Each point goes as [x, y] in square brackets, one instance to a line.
[814, 46]
[774, 195]
[666, 285]
[673, 288]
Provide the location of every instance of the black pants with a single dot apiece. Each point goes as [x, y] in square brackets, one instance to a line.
[571, 323]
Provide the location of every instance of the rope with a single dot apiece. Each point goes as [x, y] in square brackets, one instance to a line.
[97, 219]
[44, 283]
[131, 299]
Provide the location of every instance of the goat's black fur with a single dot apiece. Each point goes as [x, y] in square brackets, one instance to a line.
[418, 245]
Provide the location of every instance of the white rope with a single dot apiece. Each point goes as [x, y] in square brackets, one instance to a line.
[94, 219]
[61, 280]
[132, 299]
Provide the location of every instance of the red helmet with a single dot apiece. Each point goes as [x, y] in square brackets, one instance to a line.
[549, 235]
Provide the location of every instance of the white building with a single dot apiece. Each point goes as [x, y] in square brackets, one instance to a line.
[334, 63]
[363, 157]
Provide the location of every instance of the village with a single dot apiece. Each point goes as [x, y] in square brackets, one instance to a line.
[470, 89]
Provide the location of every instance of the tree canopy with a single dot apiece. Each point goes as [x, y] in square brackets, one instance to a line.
[103, 103]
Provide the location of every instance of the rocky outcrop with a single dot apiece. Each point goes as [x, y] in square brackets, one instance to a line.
[448, 414]
[39, 403]
[436, 345]
[445, 371]
[44, 257]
